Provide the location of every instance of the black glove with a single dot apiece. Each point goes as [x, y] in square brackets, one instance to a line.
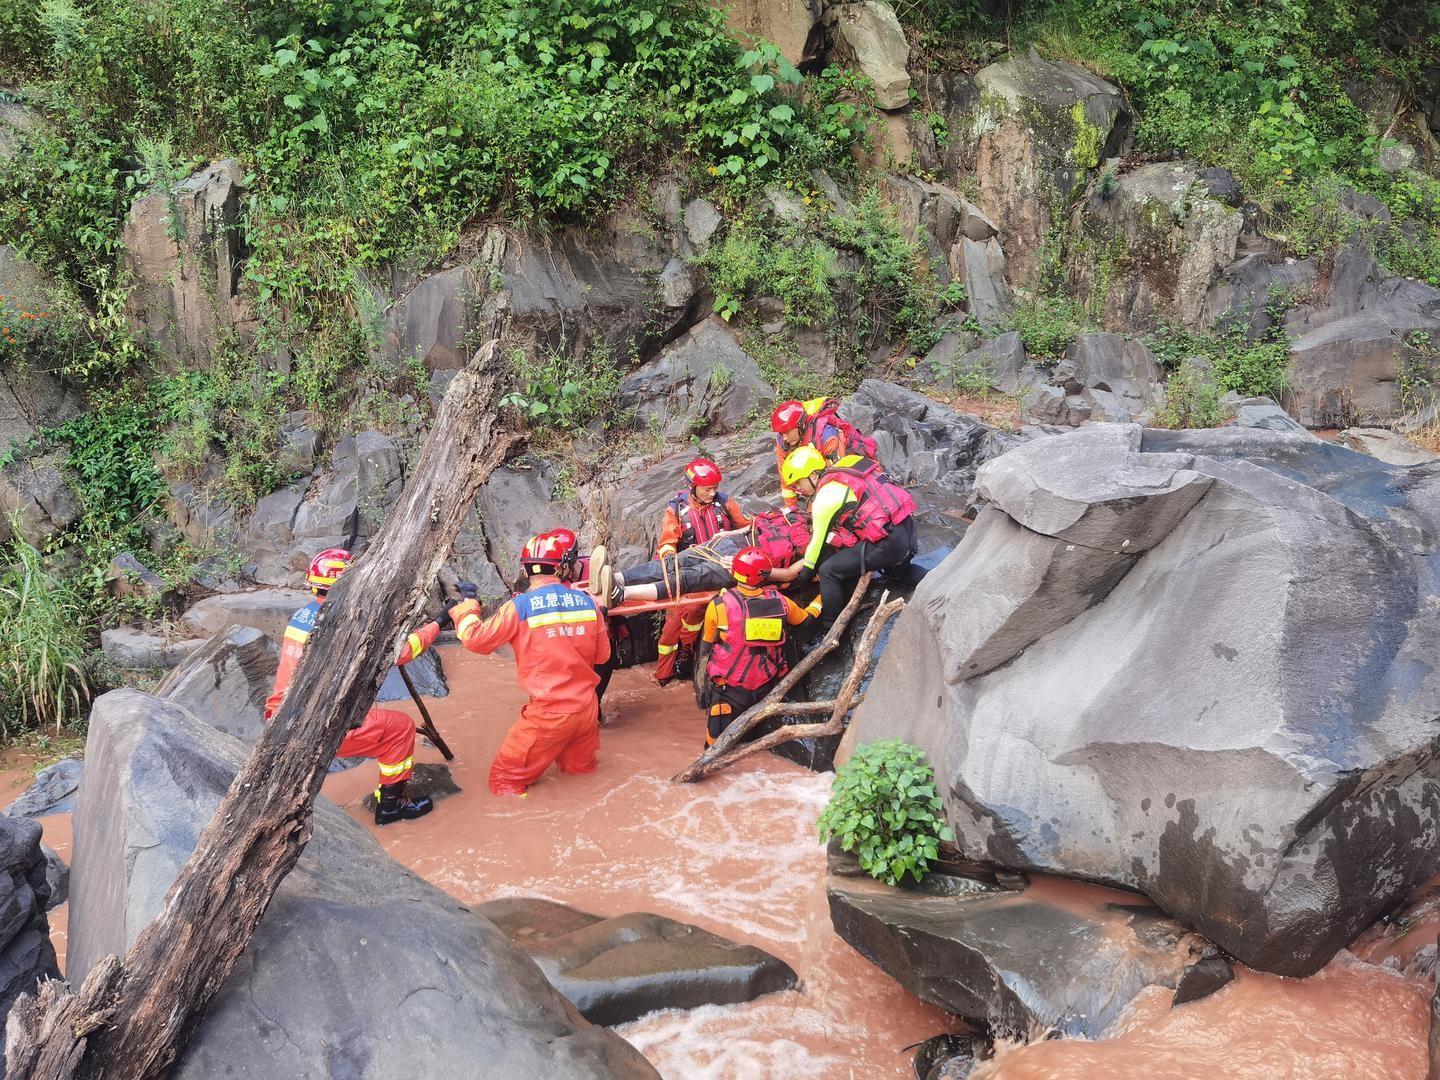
[443, 619]
[806, 576]
[468, 590]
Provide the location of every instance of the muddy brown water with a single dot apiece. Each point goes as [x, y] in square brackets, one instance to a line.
[737, 854]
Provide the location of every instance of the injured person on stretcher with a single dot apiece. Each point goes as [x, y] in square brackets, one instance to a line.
[782, 534]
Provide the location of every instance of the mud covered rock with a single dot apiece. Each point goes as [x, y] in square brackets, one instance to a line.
[949, 1057]
[226, 682]
[53, 791]
[618, 969]
[26, 954]
[1197, 664]
[1058, 956]
[359, 968]
[428, 780]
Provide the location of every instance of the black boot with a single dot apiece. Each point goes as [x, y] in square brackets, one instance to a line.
[393, 803]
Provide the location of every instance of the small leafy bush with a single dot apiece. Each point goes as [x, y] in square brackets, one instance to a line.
[885, 809]
[563, 391]
[1192, 400]
[1047, 324]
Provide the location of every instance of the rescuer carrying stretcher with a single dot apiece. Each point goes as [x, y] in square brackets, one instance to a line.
[692, 517]
[860, 520]
[744, 637]
[559, 638]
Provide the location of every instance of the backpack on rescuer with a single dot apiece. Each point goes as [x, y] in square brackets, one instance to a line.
[782, 535]
[851, 440]
[880, 503]
[751, 651]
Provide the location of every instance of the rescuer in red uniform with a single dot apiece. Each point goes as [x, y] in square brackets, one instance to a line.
[559, 638]
[744, 632]
[386, 735]
[692, 517]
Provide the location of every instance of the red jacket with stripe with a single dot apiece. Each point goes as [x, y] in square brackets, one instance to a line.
[558, 635]
[297, 635]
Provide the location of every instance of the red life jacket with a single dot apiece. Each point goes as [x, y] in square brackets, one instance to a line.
[851, 441]
[751, 651]
[700, 524]
[880, 503]
[783, 536]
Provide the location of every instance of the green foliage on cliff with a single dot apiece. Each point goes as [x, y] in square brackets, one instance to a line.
[885, 810]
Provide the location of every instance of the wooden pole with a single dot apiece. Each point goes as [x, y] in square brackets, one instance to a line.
[840, 707]
[132, 1017]
[771, 704]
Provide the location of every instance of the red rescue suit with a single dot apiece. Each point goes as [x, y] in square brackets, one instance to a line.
[687, 523]
[559, 637]
[387, 735]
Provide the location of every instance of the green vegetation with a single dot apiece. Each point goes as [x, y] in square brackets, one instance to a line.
[566, 392]
[884, 808]
[44, 681]
[1192, 399]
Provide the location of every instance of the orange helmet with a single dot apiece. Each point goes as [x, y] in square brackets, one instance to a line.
[325, 568]
[549, 552]
[751, 566]
[788, 416]
[702, 472]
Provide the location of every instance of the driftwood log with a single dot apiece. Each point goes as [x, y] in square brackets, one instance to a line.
[774, 703]
[132, 1017]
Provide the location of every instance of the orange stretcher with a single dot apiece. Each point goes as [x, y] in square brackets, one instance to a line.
[641, 607]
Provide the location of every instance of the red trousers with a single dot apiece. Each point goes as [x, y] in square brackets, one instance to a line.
[541, 738]
[682, 627]
[387, 736]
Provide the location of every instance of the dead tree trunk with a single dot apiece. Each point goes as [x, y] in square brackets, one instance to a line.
[773, 703]
[838, 709]
[131, 1018]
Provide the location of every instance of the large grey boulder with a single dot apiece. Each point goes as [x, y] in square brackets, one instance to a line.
[618, 969]
[186, 249]
[703, 382]
[1350, 343]
[1117, 376]
[1196, 664]
[1153, 247]
[871, 35]
[1389, 446]
[267, 610]
[131, 648]
[1030, 130]
[359, 968]
[433, 318]
[1253, 292]
[26, 954]
[225, 683]
[1057, 957]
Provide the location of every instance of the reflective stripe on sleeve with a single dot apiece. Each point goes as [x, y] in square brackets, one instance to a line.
[397, 768]
[417, 646]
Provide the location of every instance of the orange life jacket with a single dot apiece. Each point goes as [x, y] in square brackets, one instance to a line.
[751, 651]
[880, 503]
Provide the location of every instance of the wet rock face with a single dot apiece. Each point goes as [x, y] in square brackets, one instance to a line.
[267, 610]
[1199, 664]
[53, 791]
[618, 969]
[1018, 962]
[26, 954]
[226, 682]
[452, 997]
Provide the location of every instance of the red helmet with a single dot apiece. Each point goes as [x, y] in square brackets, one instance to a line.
[549, 551]
[325, 568]
[702, 472]
[788, 416]
[751, 566]
[570, 545]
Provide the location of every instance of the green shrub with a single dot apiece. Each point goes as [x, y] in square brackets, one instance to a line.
[885, 810]
[1192, 400]
[1047, 324]
[790, 265]
[43, 652]
[565, 392]
[1255, 370]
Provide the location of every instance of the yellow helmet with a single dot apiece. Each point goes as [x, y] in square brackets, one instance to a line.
[801, 462]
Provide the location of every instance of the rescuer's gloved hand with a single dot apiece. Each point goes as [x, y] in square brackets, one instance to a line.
[468, 590]
[806, 576]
